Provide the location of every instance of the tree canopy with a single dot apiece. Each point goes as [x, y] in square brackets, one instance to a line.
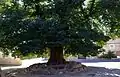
[77, 26]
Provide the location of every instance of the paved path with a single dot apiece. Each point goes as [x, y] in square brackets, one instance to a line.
[89, 62]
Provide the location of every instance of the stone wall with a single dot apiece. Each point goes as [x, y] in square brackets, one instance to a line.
[10, 61]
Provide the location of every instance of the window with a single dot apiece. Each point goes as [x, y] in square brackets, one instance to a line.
[112, 46]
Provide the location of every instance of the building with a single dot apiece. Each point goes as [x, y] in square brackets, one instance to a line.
[1, 54]
[114, 46]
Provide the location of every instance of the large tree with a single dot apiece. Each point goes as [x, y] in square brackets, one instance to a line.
[74, 26]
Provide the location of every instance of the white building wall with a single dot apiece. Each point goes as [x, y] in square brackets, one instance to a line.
[112, 45]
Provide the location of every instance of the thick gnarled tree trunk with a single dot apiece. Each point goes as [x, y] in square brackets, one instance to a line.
[56, 56]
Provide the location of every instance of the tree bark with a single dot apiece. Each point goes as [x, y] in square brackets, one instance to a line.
[56, 56]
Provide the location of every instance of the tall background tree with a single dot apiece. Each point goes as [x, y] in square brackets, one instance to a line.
[75, 26]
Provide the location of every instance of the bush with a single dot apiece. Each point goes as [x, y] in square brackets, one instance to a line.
[109, 55]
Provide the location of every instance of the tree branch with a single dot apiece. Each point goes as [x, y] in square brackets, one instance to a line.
[83, 12]
[91, 8]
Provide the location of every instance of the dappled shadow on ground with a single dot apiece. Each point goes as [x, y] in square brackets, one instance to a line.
[102, 72]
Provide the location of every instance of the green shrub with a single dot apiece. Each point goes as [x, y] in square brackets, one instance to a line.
[108, 55]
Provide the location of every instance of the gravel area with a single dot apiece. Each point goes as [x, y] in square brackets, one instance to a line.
[91, 72]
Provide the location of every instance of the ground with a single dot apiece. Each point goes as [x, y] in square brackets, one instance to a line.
[95, 69]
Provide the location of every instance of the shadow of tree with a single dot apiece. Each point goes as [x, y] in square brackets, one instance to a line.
[91, 72]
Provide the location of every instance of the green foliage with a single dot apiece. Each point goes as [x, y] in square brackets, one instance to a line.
[95, 53]
[35, 55]
[29, 56]
[111, 16]
[33, 25]
[69, 55]
[108, 55]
